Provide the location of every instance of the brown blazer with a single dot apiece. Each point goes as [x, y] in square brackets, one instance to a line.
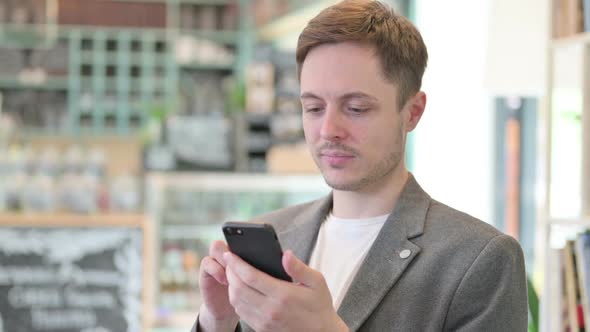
[461, 275]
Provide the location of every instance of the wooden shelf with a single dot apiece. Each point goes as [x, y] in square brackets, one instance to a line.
[219, 36]
[70, 219]
[577, 39]
[584, 222]
[51, 83]
[293, 22]
[110, 58]
[190, 2]
[207, 66]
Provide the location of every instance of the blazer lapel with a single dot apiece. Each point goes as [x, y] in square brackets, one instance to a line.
[301, 236]
[383, 264]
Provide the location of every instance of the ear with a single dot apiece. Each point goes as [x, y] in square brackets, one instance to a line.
[414, 108]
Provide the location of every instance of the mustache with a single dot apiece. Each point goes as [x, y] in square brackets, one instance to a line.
[331, 146]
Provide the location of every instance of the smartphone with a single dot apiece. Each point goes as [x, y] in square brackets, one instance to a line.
[258, 245]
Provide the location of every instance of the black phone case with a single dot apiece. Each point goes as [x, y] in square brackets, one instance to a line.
[258, 245]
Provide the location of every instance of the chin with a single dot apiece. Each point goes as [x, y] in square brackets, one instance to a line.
[343, 185]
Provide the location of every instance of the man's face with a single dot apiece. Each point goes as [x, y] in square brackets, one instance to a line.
[351, 120]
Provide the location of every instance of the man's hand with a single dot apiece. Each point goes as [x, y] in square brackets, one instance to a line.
[216, 313]
[270, 304]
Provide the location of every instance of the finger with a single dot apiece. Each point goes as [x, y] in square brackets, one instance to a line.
[249, 314]
[249, 304]
[240, 293]
[252, 277]
[216, 250]
[211, 268]
[299, 271]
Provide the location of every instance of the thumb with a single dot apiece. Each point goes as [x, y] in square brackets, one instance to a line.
[299, 271]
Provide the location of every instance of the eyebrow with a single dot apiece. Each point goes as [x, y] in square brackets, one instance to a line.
[350, 95]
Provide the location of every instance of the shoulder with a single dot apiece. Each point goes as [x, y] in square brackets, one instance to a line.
[446, 219]
[489, 289]
[461, 231]
[488, 269]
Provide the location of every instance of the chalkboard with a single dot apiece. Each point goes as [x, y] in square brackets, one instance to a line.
[66, 279]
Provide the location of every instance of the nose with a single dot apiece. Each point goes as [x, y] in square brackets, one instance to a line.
[333, 124]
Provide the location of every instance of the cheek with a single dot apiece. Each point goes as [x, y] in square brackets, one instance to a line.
[382, 136]
[310, 128]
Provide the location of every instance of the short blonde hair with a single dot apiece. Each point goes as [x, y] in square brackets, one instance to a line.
[397, 42]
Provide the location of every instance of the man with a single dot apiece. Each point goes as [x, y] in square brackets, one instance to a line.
[378, 254]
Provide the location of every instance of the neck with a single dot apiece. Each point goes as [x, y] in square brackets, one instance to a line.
[374, 200]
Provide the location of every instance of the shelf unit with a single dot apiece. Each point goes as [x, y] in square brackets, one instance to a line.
[112, 76]
[567, 90]
[110, 81]
[557, 232]
[569, 71]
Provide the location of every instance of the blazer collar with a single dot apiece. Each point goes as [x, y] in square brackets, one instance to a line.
[302, 233]
[410, 209]
[383, 264]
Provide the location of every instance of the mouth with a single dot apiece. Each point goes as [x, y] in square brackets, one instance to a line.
[336, 158]
[335, 154]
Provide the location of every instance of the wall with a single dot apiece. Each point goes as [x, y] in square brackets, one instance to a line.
[478, 50]
[453, 143]
[517, 47]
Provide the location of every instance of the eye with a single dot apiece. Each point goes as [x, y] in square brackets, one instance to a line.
[357, 110]
[313, 110]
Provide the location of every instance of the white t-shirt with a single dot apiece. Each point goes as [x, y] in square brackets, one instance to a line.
[341, 247]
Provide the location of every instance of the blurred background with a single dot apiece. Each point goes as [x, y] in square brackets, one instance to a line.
[131, 129]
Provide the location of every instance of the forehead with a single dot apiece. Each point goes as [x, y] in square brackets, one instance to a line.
[341, 68]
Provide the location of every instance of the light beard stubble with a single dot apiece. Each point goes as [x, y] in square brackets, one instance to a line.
[380, 170]
[385, 167]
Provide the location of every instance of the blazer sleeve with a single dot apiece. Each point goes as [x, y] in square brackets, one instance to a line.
[493, 293]
[195, 327]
